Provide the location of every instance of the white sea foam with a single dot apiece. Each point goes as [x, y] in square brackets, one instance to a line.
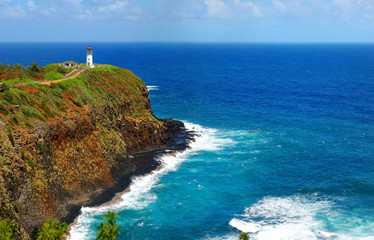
[290, 218]
[152, 88]
[139, 196]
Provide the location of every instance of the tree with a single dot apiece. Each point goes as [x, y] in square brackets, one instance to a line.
[62, 70]
[108, 230]
[7, 230]
[244, 236]
[2, 68]
[35, 67]
[52, 230]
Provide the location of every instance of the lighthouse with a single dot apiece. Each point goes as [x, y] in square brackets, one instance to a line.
[89, 57]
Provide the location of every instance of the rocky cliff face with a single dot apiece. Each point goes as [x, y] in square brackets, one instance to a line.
[63, 144]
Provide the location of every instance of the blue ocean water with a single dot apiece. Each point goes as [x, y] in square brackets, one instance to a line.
[286, 146]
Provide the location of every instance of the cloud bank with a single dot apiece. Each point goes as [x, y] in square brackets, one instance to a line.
[193, 20]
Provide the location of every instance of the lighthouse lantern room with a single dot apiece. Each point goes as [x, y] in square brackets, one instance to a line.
[89, 57]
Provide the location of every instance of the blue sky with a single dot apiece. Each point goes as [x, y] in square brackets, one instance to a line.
[267, 21]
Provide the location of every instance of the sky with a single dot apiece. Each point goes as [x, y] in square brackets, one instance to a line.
[252, 21]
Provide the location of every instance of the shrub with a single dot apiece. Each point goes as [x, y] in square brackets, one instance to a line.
[62, 70]
[15, 120]
[35, 67]
[7, 230]
[76, 102]
[60, 106]
[48, 112]
[53, 76]
[50, 68]
[4, 86]
[15, 207]
[31, 164]
[52, 230]
[29, 125]
[10, 136]
[31, 112]
[4, 110]
[41, 147]
[244, 236]
[108, 230]
[26, 99]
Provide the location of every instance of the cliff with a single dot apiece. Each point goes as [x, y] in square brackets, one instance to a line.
[60, 145]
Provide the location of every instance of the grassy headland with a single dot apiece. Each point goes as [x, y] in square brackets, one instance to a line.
[61, 143]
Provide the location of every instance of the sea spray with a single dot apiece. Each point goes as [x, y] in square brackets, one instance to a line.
[294, 217]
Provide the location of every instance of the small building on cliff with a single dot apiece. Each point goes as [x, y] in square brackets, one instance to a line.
[69, 64]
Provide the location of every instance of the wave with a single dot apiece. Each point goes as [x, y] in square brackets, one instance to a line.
[152, 88]
[139, 195]
[295, 217]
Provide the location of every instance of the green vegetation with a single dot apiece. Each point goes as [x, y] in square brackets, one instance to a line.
[16, 74]
[244, 236]
[15, 120]
[10, 136]
[29, 125]
[3, 109]
[62, 70]
[79, 114]
[4, 87]
[13, 73]
[108, 230]
[52, 230]
[53, 76]
[41, 147]
[7, 230]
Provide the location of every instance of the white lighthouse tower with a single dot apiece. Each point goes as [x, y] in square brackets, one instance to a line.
[89, 57]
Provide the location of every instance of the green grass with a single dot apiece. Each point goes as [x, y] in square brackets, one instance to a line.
[19, 80]
[3, 110]
[53, 76]
[29, 125]
[17, 96]
[11, 138]
[41, 147]
[50, 68]
[32, 113]
[47, 111]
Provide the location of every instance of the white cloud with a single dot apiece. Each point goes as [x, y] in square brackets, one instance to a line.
[117, 6]
[245, 5]
[31, 5]
[280, 5]
[344, 4]
[217, 8]
[4, 1]
[16, 11]
[256, 11]
[48, 11]
[84, 15]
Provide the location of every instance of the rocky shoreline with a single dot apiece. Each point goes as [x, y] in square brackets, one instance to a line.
[77, 143]
[145, 163]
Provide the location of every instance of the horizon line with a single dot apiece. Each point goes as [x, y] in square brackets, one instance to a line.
[189, 42]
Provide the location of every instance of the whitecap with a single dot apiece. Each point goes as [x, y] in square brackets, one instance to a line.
[283, 218]
[152, 88]
[292, 218]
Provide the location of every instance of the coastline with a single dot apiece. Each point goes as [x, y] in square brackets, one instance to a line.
[146, 163]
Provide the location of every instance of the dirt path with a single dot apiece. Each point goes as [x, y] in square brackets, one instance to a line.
[59, 80]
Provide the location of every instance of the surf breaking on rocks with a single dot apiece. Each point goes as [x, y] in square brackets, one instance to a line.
[139, 195]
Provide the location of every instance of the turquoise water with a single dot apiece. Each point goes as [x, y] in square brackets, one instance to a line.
[286, 140]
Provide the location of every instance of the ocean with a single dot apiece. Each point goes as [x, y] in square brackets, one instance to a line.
[285, 147]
